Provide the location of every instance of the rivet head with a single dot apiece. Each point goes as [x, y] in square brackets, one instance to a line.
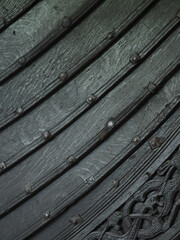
[66, 22]
[116, 183]
[71, 159]
[63, 76]
[47, 215]
[110, 35]
[135, 58]
[90, 180]
[28, 189]
[136, 139]
[156, 142]
[46, 135]
[2, 165]
[76, 220]
[19, 110]
[22, 60]
[151, 87]
[110, 124]
[91, 98]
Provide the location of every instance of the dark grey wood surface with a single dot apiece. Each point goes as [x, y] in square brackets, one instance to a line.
[89, 120]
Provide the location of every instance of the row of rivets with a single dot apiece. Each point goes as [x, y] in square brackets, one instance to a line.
[156, 142]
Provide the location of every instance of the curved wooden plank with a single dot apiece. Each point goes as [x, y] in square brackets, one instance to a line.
[75, 10]
[29, 186]
[33, 139]
[11, 10]
[64, 229]
[40, 84]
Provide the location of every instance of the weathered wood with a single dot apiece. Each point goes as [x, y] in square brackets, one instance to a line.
[11, 10]
[60, 121]
[76, 13]
[137, 217]
[18, 191]
[145, 159]
[39, 84]
[90, 122]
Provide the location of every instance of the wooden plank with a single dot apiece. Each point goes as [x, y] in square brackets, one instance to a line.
[136, 217]
[105, 199]
[23, 187]
[62, 111]
[34, 210]
[43, 78]
[119, 23]
[11, 10]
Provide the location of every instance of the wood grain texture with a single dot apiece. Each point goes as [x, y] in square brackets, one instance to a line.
[11, 10]
[94, 162]
[89, 119]
[26, 137]
[67, 56]
[41, 203]
[94, 209]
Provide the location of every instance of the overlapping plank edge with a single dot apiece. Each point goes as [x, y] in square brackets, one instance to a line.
[165, 187]
[94, 98]
[153, 151]
[23, 7]
[60, 31]
[139, 172]
[42, 182]
[100, 48]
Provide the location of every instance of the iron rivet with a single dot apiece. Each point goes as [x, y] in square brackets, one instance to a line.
[28, 189]
[63, 76]
[116, 183]
[22, 60]
[66, 22]
[157, 142]
[110, 124]
[90, 179]
[71, 159]
[110, 35]
[151, 87]
[76, 220]
[19, 110]
[136, 139]
[47, 215]
[46, 135]
[91, 98]
[135, 58]
[2, 165]
[148, 175]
